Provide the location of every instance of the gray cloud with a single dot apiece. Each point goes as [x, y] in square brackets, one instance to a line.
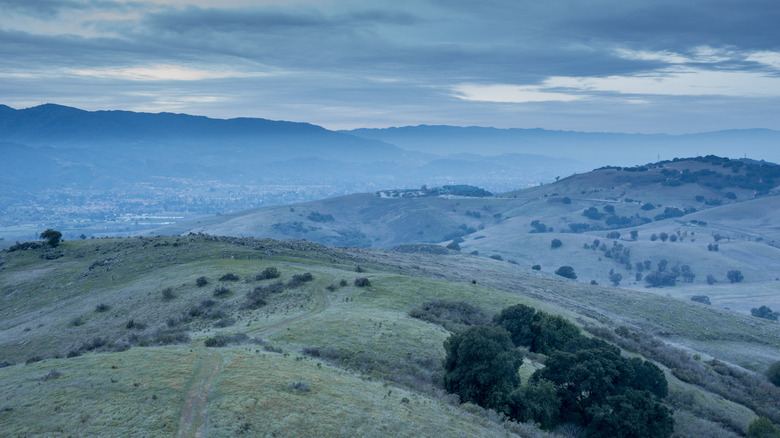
[397, 64]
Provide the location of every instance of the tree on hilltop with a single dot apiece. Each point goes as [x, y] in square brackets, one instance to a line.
[52, 237]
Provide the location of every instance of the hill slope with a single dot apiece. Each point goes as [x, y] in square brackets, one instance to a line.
[97, 296]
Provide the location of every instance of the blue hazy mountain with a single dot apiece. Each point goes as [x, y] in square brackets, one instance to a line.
[125, 133]
[593, 148]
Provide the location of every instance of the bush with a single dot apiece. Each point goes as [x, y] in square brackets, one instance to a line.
[613, 235]
[764, 312]
[201, 281]
[536, 267]
[566, 271]
[762, 427]
[299, 279]
[229, 277]
[168, 294]
[496, 257]
[362, 282]
[773, 373]
[300, 386]
[102, 307]
[701, 299]
[221, 291]
[453, 246]
[225, 340]
[455, 316]
[556, 243]
[268, 273]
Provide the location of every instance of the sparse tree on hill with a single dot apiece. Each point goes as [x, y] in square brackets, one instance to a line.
[735, 276]
[566, 271]
[556, 243]
[52, 237]
[634, 234]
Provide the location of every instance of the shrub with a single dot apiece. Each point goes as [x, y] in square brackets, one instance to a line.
[299, 279]
[536, 267]
[229, 277]
[268, 273]
[773, 373]
[168, 294]
[496, 257]
[453, 246]
[225, 322]
[225, 340]
[701, 299]
[613, 235]
[132, 325]
[362, 282]
[764, 312]
[711, 279]
[102, 307]
[300, 386]
[221, 291]
[566, 271]
[342, 282]
[556, 243]
[77, 321]
[454, 316]
[202, 281]
[762, 427]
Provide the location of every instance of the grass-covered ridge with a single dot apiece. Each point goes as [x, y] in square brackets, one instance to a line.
[323, 341]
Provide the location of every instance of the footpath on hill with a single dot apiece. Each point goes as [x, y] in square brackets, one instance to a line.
[193, 411]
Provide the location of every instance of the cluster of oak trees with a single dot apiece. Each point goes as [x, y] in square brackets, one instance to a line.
[584, 380]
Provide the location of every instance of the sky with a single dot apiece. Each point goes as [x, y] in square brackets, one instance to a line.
[649, 66]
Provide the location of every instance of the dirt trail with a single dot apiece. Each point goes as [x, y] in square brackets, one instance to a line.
[193, 412]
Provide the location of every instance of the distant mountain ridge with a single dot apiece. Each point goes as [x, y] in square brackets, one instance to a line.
[594, 148]
[62, 126]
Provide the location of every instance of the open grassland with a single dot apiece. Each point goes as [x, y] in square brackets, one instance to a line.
[323, 357]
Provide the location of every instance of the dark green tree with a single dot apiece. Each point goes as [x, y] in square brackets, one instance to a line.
[556, 243]
[566, 271]
[537, 401]
[52, 237]
[517, 321]
[551, 332]
[481, 366]
[630, 414]
[735, 276]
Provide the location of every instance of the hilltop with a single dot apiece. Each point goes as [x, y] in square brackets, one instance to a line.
[134, 318]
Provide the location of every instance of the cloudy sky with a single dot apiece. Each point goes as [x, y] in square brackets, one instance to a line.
[598, 65]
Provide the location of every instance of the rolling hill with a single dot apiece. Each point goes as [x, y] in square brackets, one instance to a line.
[151, 337]
[702, 202]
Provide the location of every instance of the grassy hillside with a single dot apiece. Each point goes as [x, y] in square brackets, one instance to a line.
[110, 336]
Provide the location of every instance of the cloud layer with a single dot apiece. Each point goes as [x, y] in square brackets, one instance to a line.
[601, 65]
